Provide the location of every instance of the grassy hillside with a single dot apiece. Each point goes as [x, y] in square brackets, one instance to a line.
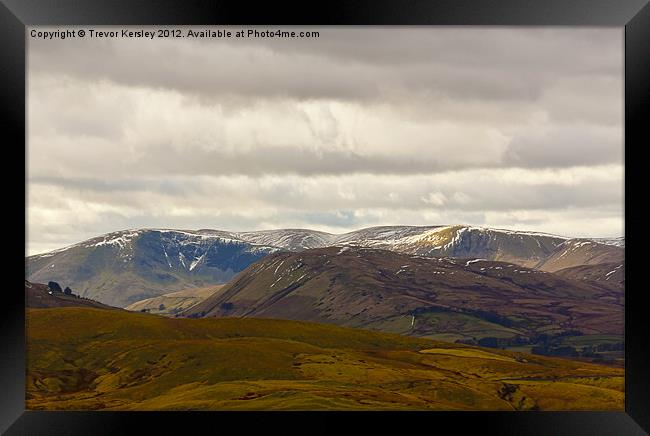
[82, 358]
[38, 295]
[174, 302]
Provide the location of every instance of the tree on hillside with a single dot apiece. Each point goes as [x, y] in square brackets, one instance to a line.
[161, 307]
[54, 287]
[67, 290]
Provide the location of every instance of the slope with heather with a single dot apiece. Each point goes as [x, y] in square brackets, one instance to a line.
[607, 275]
[443, 298]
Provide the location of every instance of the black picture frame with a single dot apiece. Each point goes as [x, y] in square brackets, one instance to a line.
[632, 15]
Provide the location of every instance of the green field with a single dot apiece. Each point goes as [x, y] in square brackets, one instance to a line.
[88, 359]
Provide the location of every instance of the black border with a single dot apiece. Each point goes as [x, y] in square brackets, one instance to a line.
[633, 14]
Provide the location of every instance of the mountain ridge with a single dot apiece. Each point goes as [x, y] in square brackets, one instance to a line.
[327, 238]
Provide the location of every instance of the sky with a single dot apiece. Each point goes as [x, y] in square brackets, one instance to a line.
[518, 128]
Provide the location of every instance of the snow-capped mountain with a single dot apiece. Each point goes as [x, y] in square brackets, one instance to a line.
[433, 241]
[530, 249]
[524, 248]
[288, 239]
[120, 268]
[617, 242]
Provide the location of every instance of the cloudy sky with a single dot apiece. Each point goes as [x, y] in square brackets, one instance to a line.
[518, 128]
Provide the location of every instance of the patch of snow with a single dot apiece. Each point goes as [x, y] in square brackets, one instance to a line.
[167, 257]
[182, 259]
[473, 261]
[612, 272]
[276, 269]
[196, 261]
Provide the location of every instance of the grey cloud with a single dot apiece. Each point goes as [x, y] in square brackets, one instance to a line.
[467, 191]
[126, 185]
[566, 146]
[288, 160]
[345, 63]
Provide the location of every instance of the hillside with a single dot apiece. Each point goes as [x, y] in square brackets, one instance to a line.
[116, 360]
[38, 295]
[448, 299]
[174, 302]
[128, 266]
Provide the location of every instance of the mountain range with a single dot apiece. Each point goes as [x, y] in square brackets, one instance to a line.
[122, 268]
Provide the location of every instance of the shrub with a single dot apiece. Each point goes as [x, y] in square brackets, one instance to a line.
[54, 287]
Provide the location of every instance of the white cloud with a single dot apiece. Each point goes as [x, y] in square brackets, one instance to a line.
[435, 199]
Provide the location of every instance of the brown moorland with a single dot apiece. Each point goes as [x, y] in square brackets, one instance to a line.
[91, 359]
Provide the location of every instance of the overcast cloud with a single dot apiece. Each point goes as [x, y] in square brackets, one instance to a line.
[505, 127]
